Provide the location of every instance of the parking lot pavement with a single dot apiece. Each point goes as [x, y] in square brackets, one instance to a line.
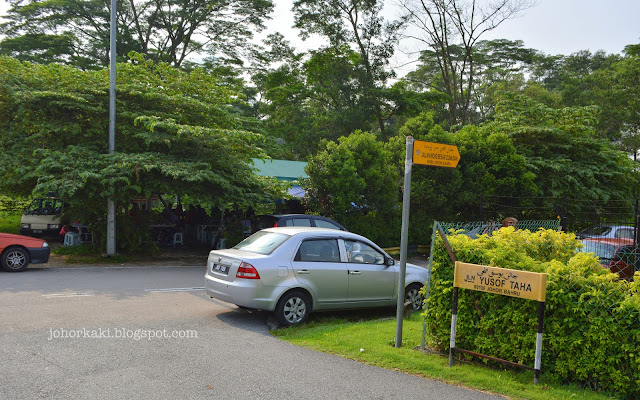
[153, 333]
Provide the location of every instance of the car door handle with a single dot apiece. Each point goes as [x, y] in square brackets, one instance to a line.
[354, 272]
[303, 271]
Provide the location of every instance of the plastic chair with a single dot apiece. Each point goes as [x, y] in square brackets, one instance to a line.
[72, 239]
[177, 238]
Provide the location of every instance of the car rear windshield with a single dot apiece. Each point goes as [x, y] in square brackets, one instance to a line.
[262, 242]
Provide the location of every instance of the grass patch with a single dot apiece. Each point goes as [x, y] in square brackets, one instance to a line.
[372, 342]
[10, 222]
[89, 254]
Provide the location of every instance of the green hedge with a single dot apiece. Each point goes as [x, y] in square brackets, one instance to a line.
[592, 320]
[10, 205]
[10, 213]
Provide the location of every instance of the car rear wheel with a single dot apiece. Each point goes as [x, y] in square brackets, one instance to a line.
[412, 294]
[14, 259]
[293, 308]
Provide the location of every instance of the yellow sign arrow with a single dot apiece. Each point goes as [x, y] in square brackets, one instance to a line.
[435, 154]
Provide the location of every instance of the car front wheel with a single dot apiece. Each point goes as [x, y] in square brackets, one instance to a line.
[293, 308]
[412, 294]
[14, 259]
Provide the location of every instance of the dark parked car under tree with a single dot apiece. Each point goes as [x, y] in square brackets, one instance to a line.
[279, 220]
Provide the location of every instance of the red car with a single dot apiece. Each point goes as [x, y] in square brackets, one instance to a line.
[17, 251]
[618, 255]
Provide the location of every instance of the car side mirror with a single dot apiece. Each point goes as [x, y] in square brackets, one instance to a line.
[390, 262]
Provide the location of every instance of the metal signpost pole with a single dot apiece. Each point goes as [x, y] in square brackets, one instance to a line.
[538, 360]
[454, 324]
[408, 164]
[111, 217]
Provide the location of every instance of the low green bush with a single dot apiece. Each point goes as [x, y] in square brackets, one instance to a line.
[592, 320]
[10, 213]
[10, 222]
[12, 205]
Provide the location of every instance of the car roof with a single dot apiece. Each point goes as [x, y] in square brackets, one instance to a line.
[296, 230]
[611, 226]
[291, 215]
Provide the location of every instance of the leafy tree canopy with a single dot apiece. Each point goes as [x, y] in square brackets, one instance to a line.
[77, 31]
[352, 180]
[174, 135]
[564, 153]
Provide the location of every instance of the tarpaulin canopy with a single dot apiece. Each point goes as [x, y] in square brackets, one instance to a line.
[283, 170]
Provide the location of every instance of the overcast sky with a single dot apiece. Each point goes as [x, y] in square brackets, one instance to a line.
[552, 26]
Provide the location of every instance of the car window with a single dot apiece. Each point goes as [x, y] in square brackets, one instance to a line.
[596, 231]
[262, 242]
[298, 222]
[57, 207]
[34, 207]
[624, 233]
[321, 223]
[266, 221]
[362, 253]
[318, 250]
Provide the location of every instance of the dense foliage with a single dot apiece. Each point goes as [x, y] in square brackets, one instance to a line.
[527, 157]
[355, 182]
[175, 135]
[533, 129]
[77, 32]
[592, 324]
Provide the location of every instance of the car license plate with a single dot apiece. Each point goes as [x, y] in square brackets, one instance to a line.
[220, 269]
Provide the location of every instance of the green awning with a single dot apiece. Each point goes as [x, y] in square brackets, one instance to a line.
[283, 170]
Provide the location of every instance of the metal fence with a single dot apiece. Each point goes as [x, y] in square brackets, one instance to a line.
[592, 318]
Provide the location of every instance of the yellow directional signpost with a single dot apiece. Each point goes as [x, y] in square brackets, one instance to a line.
[424, 153]
[435, 154]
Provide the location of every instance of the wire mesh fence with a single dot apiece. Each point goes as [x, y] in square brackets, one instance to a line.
[592, 315]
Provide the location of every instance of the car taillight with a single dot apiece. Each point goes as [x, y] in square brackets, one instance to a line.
[247, 271]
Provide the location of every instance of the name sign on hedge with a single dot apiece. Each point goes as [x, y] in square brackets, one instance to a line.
[507, 282]
[503, 281]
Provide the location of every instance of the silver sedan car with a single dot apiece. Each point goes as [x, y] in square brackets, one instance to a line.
[292, 271]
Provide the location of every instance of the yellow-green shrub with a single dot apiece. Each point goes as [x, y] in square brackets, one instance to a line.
[592, 320]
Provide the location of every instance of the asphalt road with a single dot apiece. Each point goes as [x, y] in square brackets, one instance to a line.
[151, 332]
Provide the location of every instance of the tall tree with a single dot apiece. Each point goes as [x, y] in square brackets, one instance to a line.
[565, 153]
[77, 31]
[359, 25]
[316, 97]
[354, 181]
[175, 135]
[499, 65]
[450, 30]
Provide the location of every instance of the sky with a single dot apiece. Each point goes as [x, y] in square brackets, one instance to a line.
[552, 26]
